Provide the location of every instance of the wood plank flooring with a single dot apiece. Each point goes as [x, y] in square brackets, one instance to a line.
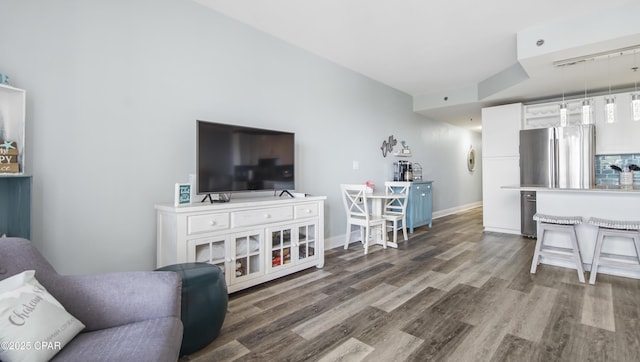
[452, 293]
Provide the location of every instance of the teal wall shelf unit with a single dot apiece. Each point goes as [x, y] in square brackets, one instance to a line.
[15, 184]
[15, 208]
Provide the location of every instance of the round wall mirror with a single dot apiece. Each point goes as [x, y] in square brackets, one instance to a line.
[471, 159]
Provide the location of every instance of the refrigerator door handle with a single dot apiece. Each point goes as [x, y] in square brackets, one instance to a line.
[556, 162]
[553, 164]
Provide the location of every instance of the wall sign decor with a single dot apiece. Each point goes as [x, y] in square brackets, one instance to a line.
[183, 194]
[387, 145]
[9, 157]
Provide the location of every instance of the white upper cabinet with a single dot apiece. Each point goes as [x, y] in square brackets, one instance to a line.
[501, 130]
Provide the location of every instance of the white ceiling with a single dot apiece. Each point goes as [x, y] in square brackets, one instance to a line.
[474, 53]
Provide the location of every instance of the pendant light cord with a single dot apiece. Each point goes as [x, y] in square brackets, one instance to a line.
[609, 72]
[584, 71]
[635, 69]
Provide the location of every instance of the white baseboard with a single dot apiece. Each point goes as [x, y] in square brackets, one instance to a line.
[502, 230]
[457, 209]
[338, 240]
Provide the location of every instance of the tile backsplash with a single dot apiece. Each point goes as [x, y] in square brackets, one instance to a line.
[606, 176]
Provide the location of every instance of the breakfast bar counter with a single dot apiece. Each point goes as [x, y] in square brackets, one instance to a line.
[606, 202]
[615, 189]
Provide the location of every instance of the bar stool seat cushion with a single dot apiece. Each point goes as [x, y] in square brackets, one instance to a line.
[554, 219]
[615, 224]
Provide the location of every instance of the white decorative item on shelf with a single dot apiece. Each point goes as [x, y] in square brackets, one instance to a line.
[626, 178]
[402, 154]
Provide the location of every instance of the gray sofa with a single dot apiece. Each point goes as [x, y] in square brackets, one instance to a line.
[129, 316]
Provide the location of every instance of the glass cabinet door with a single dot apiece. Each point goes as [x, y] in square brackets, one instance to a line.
[291, 245]
[280, 250]
[209, 250]
[307, 242]
[248, 260]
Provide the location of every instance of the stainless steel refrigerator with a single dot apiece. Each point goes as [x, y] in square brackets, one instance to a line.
[554, 157]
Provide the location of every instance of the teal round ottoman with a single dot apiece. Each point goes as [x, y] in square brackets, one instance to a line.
[204, 303]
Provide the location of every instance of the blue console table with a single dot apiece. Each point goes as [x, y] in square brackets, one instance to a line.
[419, 208]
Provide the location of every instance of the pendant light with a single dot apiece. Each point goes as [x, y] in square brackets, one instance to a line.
[586, 105]
[563, 105]
[635, 97]
[610, 102]
[635, 106]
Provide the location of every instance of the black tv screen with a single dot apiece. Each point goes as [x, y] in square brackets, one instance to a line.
[236, 158]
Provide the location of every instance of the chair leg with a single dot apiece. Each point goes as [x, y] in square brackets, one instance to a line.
[404, 229]
[366, 240]
[395, 231]
[348, 237]
[576, 254]
[383, 229]
[536, 253]
[596, 257]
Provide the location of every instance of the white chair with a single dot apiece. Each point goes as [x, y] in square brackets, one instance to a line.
[357, 209]
[395, 210]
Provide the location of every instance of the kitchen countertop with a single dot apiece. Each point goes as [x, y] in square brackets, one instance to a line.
[596, 188]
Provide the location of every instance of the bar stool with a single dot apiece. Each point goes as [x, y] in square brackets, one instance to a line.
[563, 224]
[625, 229]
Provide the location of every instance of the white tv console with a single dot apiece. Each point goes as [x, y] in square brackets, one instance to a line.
[253, 240]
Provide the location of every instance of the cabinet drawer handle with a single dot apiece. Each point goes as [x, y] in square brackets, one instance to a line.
[212, 223]
[424, 194]
[267, 216]
[308, 211]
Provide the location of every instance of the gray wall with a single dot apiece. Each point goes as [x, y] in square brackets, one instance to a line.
[113, 92]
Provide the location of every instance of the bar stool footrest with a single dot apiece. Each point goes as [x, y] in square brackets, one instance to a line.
[557, 252]
[619, 261]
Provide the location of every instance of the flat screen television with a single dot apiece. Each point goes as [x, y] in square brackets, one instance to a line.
[232, 158]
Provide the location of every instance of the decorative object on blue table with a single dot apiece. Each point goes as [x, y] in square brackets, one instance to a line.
[183, 194]
[4, 79]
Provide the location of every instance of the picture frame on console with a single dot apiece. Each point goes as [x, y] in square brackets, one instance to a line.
[182, 194]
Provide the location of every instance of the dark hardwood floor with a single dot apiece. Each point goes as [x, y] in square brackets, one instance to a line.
[452, 293]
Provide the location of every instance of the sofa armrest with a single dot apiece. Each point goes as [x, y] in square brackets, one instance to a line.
[108, 300]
